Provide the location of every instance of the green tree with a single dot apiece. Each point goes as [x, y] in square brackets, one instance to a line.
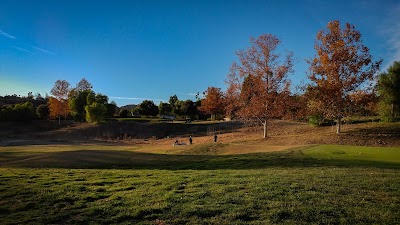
[123, 113]
[147, 108]
[189, 108]
[90, 98]
[100, 98]
[174, 102]
[18, 112]
[43, 112]
[95, 113]
[77, 104]
[164, 108]
[389, 93]
[111, 109]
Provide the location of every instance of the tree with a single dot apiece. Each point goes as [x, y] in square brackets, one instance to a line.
[30, 95]
[164, 108]
[61, 89]
[174, 102]
[96, 112]
[123, 113]
[83, 85]
[42, 112]
[58, 105]
[102, 99]
[258, 83]
[147, 108]
[213, 103]
[111, 109]
[342, 65]
[389, 93]
[38, 96]
[58, 108]
[364, 103]
[232, 94]
[77, 104]
[18, 112]
[78, 97]
[189, 108]
[173, 99]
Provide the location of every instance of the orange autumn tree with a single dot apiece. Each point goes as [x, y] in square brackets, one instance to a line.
[213, 102]
[257, 85]
[341, 66]
[58, 103]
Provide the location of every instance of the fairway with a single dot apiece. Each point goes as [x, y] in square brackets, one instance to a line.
[361, 154]
[82, 184]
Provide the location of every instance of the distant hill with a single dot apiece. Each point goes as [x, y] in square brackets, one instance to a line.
[13, 99]
[127, 107]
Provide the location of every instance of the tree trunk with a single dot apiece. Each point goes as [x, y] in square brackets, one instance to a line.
[392, 110]
[339, 126]
[265, 128]
[59, 120]
[213, 116]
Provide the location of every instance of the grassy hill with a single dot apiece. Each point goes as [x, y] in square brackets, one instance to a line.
[290, 178]
[119, 185]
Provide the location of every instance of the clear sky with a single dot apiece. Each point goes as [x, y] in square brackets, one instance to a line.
[135, 50]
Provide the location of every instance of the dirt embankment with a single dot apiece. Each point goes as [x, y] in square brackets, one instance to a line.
[38, 132]
[280, 133]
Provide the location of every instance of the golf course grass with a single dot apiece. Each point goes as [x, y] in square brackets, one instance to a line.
[323, 184]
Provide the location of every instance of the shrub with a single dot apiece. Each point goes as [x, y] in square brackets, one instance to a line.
[18, 112]
[123, 113]
[43, 112]
[318, 120]
[95, 113]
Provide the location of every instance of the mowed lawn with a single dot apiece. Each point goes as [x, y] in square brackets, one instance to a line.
[325, 184]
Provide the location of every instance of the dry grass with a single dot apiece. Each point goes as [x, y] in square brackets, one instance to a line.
[283, 135]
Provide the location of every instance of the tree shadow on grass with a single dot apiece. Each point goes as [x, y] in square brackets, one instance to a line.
[108, 159]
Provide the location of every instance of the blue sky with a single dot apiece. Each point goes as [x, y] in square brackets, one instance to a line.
[135, 50]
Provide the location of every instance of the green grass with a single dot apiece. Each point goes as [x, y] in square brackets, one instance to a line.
[117, 185]
[361, 154]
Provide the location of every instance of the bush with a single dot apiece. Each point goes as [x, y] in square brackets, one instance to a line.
[18, 112]
[390, 119]
[318, 120]
[43, 112]
[95, 113]
[123, 113]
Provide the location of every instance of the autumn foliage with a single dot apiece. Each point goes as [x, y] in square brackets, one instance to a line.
[258, 87]
[58, 105]
[213, 103]
[341, 66]
[58, 108]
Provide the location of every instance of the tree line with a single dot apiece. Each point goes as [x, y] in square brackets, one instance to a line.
[341, 74]
[343, 81]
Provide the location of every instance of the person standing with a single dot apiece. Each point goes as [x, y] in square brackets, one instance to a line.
[190, 139]
[215, 137]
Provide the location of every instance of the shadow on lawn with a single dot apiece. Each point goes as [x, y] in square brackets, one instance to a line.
[106, 159]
